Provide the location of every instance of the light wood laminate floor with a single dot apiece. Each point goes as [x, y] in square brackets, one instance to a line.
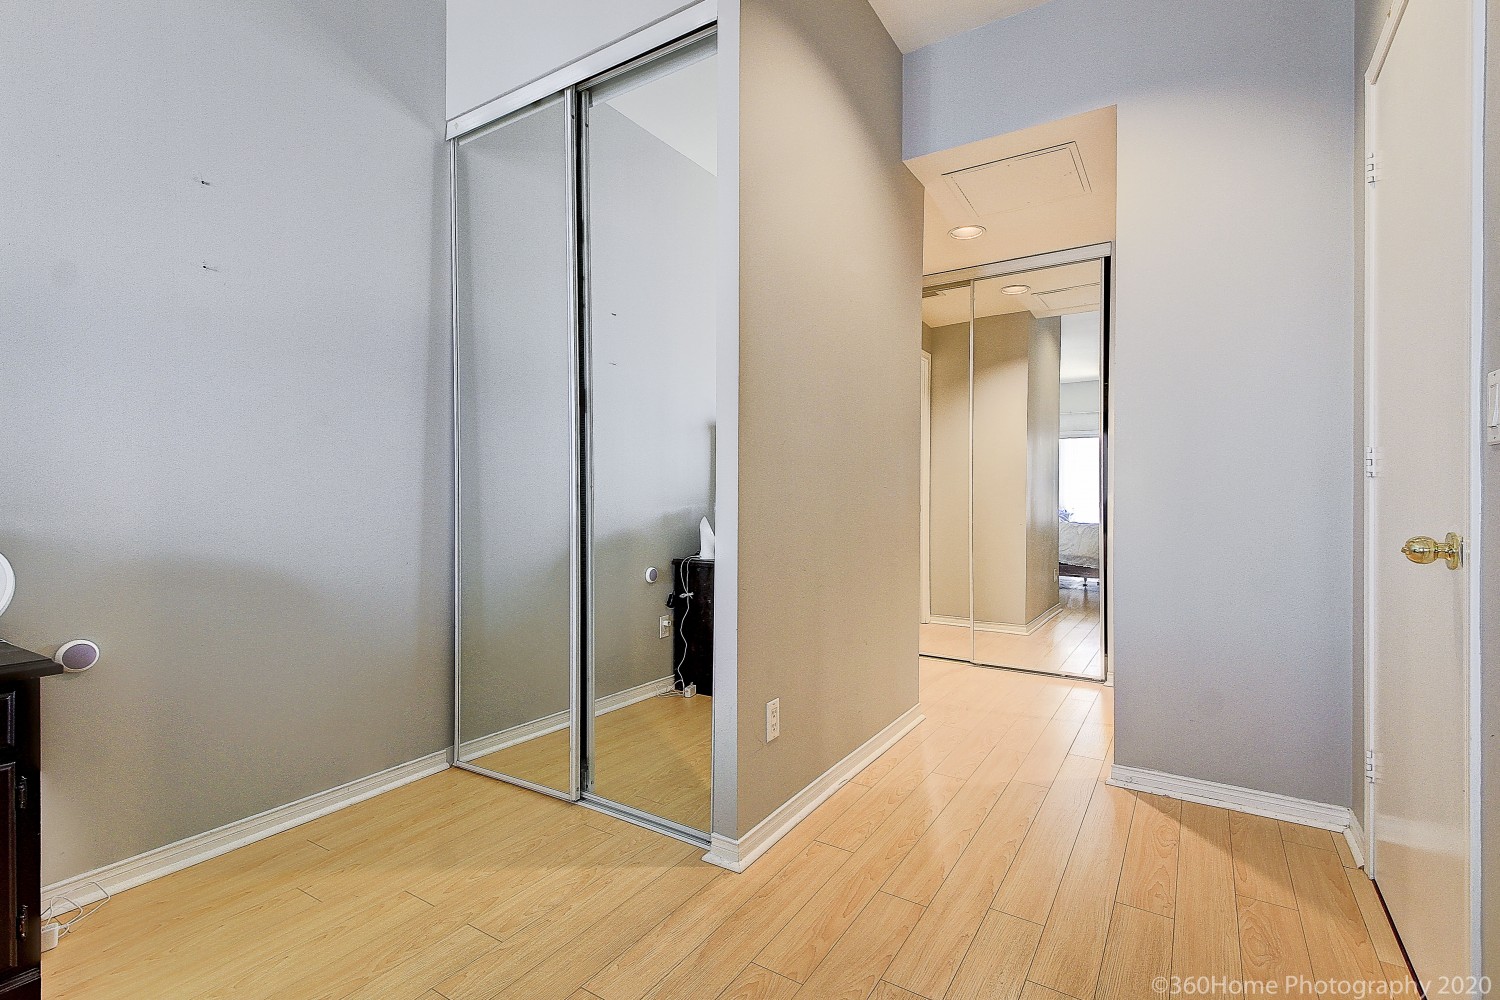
[1066, 644]
[981, 857]
[655, 755]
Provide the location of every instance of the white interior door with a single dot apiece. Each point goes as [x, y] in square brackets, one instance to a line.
[1420, 331]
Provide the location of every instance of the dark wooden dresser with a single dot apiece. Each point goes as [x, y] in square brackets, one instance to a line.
[21, 821]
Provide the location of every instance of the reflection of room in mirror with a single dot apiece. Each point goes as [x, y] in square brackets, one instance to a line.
[586, 463]
[515, 427]
[650, 242]
[1013, 480]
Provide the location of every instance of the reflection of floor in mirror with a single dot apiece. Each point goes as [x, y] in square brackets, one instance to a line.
[1068, 644]
[655, 755]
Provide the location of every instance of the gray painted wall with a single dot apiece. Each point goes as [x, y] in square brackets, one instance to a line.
[830, 383]
[253, 371]
[1233, 442]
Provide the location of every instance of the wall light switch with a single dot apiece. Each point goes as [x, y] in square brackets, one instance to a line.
[1492, 408]
[773, 719]
[664, 626]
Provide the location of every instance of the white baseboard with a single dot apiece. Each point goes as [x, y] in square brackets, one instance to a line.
[484, 745]
[122, 875]
[1000, 627]
[1354, 835]
[737, 855]
[1245, 800]
[1029, 627]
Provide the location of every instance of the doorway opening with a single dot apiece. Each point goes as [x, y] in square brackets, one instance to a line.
[1015, 453]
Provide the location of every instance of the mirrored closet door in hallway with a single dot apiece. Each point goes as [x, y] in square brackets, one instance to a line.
[1015, 465]
[584, 281]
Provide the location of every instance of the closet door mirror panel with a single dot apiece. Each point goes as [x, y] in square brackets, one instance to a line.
[946, 314]
[1037, 524]
[517, 429]
[651, 193]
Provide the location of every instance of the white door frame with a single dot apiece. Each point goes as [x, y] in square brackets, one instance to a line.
[1476, 445]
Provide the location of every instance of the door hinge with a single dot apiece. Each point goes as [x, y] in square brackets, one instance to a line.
[1372, 168]
[1372, 462]
[23, 797]
[1372, 767]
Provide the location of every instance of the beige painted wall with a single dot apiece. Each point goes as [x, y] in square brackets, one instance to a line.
[1043, 427]
[1016, 404]
[830, 292]
[1002, 347]
[948, 545]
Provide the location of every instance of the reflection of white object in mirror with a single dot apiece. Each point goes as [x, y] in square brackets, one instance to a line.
[705, 540]
[77, 656]
[7, 584]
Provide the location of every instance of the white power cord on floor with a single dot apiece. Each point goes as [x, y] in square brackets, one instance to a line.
[64, 927]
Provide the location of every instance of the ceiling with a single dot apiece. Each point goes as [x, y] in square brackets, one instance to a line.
[1048, 187]
[915, 23]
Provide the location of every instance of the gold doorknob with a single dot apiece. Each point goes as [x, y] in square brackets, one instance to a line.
[1424, 550]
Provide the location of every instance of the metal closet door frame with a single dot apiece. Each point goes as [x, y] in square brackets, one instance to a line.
[585, 677]
[581, 587]
[575, 546]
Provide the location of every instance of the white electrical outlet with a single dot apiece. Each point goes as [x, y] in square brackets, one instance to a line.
[664, 626]
[773, 719]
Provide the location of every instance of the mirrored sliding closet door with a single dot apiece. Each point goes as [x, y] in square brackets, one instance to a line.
[586, 412]
[946, 316]
[1027, 463]
[515, 451]
[650, 162]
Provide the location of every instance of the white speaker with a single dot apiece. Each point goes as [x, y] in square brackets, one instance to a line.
[77, 656]
[7, 584]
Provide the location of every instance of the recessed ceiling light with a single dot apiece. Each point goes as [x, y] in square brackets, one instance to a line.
[1016, 289]
[966, 232]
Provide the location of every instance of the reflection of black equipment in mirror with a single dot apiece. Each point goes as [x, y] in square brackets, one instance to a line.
[692, 604]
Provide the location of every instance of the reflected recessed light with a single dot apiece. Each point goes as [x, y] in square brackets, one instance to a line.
[966, 232]
[1016, 289]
